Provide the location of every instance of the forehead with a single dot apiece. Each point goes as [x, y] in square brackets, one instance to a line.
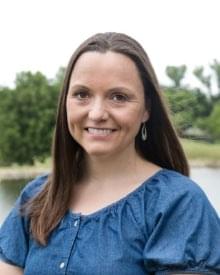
[93, 66]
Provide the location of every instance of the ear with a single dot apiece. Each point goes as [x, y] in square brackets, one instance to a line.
[145, 116]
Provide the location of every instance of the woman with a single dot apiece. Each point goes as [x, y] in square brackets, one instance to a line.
[118, 199]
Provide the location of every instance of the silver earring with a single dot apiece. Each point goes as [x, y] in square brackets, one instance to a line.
[144, 132]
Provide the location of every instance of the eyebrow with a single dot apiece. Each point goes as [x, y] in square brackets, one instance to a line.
[78, 86]
[117, 88]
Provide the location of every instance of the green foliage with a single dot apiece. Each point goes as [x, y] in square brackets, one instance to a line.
[212, 123]
[176, 74]
[27, 118]
[187, 106]
[59, 77]
[205, 80]
[215, 66]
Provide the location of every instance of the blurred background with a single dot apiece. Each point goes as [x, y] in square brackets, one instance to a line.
[37, 40]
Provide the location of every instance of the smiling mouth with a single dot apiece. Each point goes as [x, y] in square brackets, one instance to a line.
[100, 131]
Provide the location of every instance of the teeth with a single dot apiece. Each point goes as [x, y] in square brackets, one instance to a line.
[100, 131]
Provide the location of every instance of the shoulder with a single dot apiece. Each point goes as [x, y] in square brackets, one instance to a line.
[33, 187]
[171, 192]
[181, 221]
[169, 184]
[14, 232]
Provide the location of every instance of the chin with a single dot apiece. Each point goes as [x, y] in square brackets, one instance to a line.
[98, 153]
[101, 152]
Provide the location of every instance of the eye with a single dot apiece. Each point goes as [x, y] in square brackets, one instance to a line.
[81, 95]
[119, 97]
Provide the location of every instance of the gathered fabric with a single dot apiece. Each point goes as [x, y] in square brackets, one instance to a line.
[164, 226]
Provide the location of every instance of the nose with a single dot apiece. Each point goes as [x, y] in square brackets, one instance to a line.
[97, 110]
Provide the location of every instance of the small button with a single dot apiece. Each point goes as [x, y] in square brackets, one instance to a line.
[62, 265]
[75, 223]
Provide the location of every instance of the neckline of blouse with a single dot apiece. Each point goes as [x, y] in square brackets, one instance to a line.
[109, 207]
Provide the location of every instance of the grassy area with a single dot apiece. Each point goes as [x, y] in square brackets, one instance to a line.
[202, 153]
[24, 171]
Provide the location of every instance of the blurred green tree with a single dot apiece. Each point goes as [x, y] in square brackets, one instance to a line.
[176, 74]
[215, 66]
[212, 123]
[27, 118]
[187, 106]
[205, 80]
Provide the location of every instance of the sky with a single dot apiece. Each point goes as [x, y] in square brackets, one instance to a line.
[41, 35]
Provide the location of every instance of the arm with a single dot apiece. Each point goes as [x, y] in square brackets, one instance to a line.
[185, 230]
[7, 269]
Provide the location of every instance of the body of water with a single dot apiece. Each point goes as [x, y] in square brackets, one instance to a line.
[207, 178]
[209, 181]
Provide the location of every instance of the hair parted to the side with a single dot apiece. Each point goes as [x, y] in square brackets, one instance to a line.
[162, 146]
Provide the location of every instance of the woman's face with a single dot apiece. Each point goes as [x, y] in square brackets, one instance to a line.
[105, 103]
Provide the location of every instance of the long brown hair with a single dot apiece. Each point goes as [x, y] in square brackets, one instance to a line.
[162, 146]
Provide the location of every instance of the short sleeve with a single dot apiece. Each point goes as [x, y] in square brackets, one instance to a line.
[185, 234]
[14, 232]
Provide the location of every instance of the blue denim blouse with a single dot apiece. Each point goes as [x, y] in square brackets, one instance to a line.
[165, 226]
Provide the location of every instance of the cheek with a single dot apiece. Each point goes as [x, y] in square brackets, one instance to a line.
[74, 114]
[132, 119]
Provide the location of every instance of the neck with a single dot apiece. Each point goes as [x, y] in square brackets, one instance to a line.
[101, 168]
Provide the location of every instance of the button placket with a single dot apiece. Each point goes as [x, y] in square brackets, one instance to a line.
[73, 231]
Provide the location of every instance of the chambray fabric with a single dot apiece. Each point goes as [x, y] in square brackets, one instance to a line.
[166, 225]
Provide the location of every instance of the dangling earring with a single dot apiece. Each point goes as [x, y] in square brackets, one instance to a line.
[144, 132]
